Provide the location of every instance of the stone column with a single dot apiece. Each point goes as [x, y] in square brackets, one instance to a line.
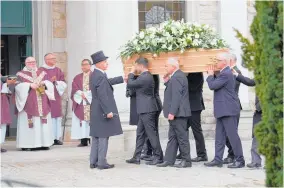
[117, 21]
[233, 14]
[75, 46]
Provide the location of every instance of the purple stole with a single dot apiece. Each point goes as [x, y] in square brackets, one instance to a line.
[5, 108]
[56, 108]
[37, 103]
[81, 111]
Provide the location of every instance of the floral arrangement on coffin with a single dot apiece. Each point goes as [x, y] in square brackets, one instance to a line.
[171, 36]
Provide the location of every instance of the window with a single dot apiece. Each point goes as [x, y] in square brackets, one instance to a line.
[152, 13]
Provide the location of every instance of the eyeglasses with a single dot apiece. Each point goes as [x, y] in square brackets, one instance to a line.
[85, 64]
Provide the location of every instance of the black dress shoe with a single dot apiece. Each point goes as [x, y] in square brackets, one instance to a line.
[154, 162]
[237, 164]
[133, 161]
[107, 166]
[149, 158]
[45, 148]
[214, 163]
[82, 145]
[144, 156]
[183, 164]
[178, 157]
[253, 165]
[93, 166]
[199, 159]
[57, 142]
[165, 164]
[228, 160]
[3, 150]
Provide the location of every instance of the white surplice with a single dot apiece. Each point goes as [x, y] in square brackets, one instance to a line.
[80, 131]
[41, 135]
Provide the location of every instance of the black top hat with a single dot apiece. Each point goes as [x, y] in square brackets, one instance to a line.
[98, 57]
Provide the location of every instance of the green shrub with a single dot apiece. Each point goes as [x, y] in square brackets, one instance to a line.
[265, 58]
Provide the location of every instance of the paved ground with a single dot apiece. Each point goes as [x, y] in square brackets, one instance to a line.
[68, 166]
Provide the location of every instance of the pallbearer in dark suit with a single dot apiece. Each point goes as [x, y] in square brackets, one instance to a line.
[131, 93]
[177, 109]
[147, 108]
[255, 157]
[226, 110]
[148, 150]
[195, 85]
[104, 116]
[230, 157]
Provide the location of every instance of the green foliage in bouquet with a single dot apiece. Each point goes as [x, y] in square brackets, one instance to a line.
[173, 36]
[265, 58]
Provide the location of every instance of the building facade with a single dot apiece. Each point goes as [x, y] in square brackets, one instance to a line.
[73, 30]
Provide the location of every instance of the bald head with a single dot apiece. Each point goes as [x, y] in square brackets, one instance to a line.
[50, 59]
[30, 59]
[30, 63]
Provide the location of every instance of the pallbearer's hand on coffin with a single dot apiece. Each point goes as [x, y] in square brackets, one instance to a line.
[210, 70]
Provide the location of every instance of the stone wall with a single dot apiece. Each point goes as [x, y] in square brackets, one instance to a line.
[59, 32]
[208, 14]
[59, 18]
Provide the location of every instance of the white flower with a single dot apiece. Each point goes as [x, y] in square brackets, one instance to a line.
[213, 42]
[170, 48]
[164, 46]
[155, 55]
[135, 41]
[195, 42]
[182, 51]
[141, 35]
[174, 30]
[196, 35]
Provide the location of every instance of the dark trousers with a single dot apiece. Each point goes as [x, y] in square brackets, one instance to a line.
[178, 138]
[147, 148]
[255, 157]
[99, 151]
[147, 128]
[194, 122]
[230, 149]
[227, 126]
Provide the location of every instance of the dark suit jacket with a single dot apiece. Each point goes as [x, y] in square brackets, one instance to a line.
[226, 102]
[144, 87]
[250, 82]
[176, 96]
[195, 90]
[103, 102]
[237, 87]
[156, 92]
[133, 115]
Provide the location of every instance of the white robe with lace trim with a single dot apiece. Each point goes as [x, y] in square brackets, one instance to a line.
[41, 135]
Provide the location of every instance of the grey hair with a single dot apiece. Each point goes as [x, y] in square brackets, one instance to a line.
[224, 56]
[173, 61]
